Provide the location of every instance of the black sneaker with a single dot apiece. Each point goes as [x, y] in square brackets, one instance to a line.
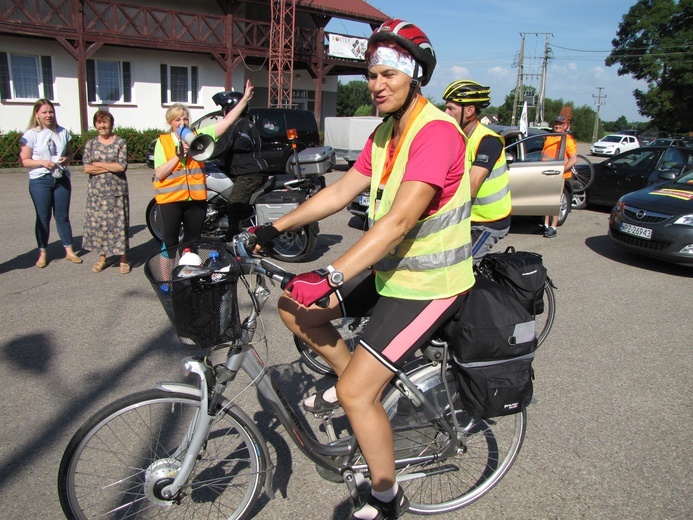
[389, 510]
[550, 232]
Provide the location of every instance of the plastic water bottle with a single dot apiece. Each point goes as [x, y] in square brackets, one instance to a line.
[190, 258]
[53, 151]
[214, 263]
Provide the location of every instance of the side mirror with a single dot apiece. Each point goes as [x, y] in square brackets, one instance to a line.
[509, 157]
[667, 176]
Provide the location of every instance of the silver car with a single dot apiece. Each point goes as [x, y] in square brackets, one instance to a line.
[537, 187]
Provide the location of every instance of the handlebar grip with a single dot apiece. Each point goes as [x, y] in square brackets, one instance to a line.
[324, 303]
[285, 281]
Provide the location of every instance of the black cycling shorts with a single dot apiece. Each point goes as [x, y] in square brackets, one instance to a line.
[397, 327]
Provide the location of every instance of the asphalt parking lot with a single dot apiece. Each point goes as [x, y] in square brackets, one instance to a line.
[609, 434]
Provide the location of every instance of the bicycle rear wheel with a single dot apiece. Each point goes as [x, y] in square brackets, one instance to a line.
[117, 463]
[350, 330]
[544, 321]
[583, 178]
[489, 448]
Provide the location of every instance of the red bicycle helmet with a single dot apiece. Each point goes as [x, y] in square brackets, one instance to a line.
[413, 40]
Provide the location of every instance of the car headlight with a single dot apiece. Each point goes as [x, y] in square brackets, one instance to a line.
[685, 220]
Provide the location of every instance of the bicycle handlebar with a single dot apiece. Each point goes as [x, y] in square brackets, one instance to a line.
[244, 241]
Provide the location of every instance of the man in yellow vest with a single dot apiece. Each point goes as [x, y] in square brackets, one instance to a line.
[485, 162]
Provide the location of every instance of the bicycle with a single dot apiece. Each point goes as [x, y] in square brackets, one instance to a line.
[189, 449]
[350, 328]
[583, 178]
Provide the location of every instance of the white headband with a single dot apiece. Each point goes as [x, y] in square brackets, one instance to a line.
[392, 58]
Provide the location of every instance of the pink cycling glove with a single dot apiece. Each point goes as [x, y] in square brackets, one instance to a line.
[308, 288]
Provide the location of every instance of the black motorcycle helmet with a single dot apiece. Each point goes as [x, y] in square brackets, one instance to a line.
[227, 100]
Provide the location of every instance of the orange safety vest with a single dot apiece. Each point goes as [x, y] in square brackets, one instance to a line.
[552, 145]
[185, 182]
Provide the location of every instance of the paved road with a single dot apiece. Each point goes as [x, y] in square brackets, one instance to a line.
[609, 435]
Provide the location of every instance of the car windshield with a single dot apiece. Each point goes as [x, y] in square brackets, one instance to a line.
[640, 158]
[611, 139]
[661, 142]
[686, 179]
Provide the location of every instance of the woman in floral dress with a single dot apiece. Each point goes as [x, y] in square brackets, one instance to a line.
[107, 217]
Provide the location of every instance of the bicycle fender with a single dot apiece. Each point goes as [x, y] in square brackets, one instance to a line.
[179, 387]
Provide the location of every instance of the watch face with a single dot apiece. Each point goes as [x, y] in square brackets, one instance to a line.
[337, 277]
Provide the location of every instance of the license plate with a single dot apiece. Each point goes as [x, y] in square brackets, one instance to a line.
[364, 200]
[636, 231]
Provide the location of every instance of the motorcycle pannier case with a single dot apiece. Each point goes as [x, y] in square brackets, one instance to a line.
[492, 339]
[270, 206]
[314, 161]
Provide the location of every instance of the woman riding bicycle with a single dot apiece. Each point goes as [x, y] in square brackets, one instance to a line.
[409, 271]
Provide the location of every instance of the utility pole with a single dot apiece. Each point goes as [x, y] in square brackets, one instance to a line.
[520, 75]
[539, 117]
[520, 95]
[281, 53]
[599, 103]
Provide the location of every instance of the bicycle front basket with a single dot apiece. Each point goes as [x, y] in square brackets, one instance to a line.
[201, 303]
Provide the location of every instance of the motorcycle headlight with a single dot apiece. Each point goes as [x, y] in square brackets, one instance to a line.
[685, 220]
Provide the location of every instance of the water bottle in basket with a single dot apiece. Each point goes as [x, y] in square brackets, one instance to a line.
[214, 263]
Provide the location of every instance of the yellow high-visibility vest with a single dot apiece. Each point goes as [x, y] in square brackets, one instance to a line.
[492, 201]
[434, 260]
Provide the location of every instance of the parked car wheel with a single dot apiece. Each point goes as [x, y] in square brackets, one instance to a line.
[579, 200]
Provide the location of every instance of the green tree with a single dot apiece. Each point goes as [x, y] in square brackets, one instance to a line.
[654, 43]
[351, 96]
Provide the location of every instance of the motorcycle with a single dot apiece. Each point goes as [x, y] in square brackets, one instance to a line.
[281, 193]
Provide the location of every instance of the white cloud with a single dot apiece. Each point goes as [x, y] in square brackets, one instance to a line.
[498, 72]
[459, 72]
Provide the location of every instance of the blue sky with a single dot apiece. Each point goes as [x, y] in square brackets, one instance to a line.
[481, 40]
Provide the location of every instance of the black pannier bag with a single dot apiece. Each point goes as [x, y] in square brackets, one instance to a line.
[522, 272]
[492, 339]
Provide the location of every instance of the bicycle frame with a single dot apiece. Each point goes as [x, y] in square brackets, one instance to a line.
[333, 457]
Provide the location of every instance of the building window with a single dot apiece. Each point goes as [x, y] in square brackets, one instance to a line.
[179, 84]
[25, 76]
[109, 81]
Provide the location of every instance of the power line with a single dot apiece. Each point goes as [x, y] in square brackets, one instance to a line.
[661, 47]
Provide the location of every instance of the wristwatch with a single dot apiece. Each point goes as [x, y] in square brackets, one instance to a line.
[336, 277]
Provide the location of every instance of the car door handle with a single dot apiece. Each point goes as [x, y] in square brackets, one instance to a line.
[551, 172]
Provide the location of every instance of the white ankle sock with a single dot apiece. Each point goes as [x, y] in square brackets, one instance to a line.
[386, 496]
[330, 396]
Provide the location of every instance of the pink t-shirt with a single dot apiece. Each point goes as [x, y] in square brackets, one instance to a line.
[436, 157]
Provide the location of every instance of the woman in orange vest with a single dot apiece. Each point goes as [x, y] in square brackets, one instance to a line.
[179, 181]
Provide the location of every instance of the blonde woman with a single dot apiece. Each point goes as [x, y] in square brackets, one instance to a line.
[107, 216]
[46, 151]
[179, 181]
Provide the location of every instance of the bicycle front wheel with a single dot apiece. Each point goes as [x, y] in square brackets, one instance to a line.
[488, 449]
[116, 464]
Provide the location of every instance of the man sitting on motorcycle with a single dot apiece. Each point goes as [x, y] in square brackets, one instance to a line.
[242, 161]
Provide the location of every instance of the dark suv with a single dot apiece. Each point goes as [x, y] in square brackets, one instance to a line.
[272, 124]
[651, 135]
